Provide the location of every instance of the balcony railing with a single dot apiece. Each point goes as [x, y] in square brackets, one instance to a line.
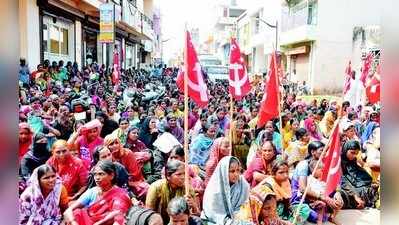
[299, 15]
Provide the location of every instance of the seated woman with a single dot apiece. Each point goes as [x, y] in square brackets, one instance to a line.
[241, 140]
[261, 166]
[44, 199]
[173, 127]
[103, 154]
[104, 204]
[127, 159]
[71, 169]
[122, 131]
[357, 189]
[200, 147]
[327, 123]
[25, 139]
[297, 150]
[300, 179]
[220, 148]
[179, 213]
[196, 182]
[313, 131]
[261, 207]
[86, 140]
[162, 191]
[141, 152]
[280, 185]
[225, 193]
[35, 157]
[149, 132]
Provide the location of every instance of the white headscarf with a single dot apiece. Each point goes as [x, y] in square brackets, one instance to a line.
[222, 201]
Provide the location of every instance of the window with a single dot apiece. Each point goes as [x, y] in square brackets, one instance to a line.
[58, 39]
[64, 41]
[45, 38]
[54, 37]
[312, 13]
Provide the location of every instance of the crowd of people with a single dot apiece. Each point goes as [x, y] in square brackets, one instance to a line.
[90, 152]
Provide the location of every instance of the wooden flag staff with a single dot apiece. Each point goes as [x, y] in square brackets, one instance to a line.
[186, 178]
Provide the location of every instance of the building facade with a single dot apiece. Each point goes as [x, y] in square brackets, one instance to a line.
[317, 38]
[69, 30]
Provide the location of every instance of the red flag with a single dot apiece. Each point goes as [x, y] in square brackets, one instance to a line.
[197, 88]
[348, 78]
[332, 162]
[239, 84]
[269, 106]
[373, 88]
[366, 68]
[116, 73]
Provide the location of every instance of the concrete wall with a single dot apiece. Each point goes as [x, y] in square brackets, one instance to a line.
[29, 32]
[333, 47]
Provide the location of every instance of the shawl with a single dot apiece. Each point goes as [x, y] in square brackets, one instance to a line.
[368, 131]
[214, 158]
[145, 135]
[222, 201]
[34, 209]
[314, 134]
[199, 150]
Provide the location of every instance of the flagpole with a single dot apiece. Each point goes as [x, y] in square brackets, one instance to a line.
[231, 121]
[279, 100]
[186, 178]
[314, 171]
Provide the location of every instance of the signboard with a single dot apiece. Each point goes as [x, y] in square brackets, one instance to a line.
[299, 50]
[107, 25]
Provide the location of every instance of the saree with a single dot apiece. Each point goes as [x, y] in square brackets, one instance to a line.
[73, 173]
[159, 195]
[252, 208]
[356, 181]
[24, 147]
[222, 201]
[115, 199]
[283, 194]
[34, 209]
[214, 158]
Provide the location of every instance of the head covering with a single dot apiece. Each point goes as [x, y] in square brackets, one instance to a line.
[351, 171]
[314, 134]
[40, 151]
[252, 208]
[327, 123]
[34, 209]
[24, 147]
[368, 131]
[214, 157]
[221, 200]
